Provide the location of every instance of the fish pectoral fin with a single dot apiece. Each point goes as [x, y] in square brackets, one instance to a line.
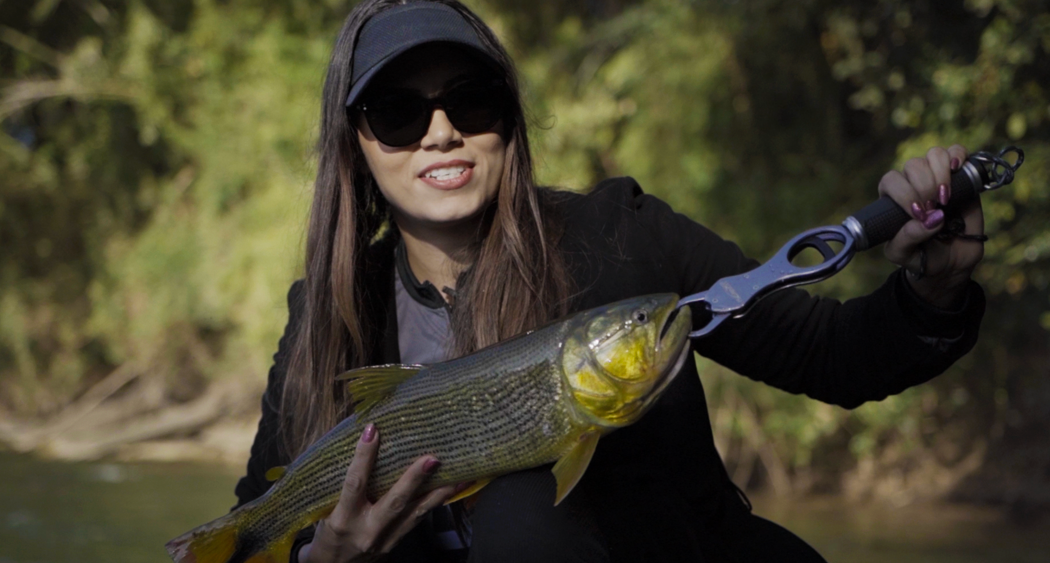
[275, 473]
[477, 486]
[570, 468]
[368, 386]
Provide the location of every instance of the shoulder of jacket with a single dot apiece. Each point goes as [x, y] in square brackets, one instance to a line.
[606, 200]
[297, 290]
[622, 189]
[297, 301]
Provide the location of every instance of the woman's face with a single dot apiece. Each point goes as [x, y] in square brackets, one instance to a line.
[448, 177]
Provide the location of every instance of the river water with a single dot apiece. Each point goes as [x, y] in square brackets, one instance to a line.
[115, 513]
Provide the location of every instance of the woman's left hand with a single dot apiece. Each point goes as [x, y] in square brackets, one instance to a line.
[923, 189]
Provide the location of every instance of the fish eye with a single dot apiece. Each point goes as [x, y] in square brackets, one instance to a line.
[641, 316]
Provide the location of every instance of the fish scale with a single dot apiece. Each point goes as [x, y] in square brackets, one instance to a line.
[541, 397]
[489, 435]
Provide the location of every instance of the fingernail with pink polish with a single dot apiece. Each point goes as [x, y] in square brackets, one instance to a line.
[464, 486]
[933, 219]
[955, 164]
[369, 434]
[918, 212]
[942, 194]
[431, 466]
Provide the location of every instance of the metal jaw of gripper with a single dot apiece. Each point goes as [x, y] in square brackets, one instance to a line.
[733, 296]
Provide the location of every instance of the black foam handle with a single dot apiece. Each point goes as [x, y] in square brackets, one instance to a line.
[879, 221]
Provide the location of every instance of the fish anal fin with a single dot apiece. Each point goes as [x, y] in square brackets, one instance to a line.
[570, 468]
[275, 473]
[368, 386]
[477, 486]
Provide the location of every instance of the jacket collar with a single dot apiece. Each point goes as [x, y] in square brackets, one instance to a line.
[423, 293]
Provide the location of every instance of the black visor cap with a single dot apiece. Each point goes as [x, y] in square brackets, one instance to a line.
[398, 29]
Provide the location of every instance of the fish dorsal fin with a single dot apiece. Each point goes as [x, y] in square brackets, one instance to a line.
[368, 386]
[275, 473]
[570, 468]
[477, 486]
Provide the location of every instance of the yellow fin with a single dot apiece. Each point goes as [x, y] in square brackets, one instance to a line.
[217, 542]
[570, 468]
[275, 473]
[213, 542]
[477, 486]
[279, 551]
[368, 386]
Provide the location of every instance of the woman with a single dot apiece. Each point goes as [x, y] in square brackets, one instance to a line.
[428, 240]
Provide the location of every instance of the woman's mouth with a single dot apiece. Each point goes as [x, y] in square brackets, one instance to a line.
[448, 177]
[445, 174]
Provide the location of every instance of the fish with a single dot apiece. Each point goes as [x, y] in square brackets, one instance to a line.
[546, 396]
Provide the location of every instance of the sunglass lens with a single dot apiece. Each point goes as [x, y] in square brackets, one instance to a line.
[476, 108]
[398, 119]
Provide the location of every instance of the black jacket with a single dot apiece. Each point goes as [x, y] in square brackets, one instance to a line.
[659, 488]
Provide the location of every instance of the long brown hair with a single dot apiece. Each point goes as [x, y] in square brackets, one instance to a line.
[517, 279]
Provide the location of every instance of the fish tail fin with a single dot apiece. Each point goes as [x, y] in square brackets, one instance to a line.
[222, 540]
[214, 542]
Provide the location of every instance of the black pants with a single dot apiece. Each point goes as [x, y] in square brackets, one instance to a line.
[515, 521]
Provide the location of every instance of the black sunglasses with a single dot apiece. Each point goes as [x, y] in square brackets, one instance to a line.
[399, 117]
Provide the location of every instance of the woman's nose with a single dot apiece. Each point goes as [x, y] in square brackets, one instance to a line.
[441, 133]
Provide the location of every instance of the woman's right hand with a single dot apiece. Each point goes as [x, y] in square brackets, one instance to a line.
[360, 530]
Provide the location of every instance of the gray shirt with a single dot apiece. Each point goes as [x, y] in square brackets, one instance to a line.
[424, 337]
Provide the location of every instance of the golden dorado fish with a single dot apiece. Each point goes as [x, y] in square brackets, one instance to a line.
[545, 396]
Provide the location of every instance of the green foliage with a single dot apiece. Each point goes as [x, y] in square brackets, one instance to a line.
[768, 117]
[157, 166]
[154, 205]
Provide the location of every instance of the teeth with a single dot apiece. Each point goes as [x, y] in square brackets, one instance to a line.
[445, 173]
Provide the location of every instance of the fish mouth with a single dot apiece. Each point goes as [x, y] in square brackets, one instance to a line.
[669, 375]
[675, 328]
[681, 349]
[666, 327]
[671, 370]
[674, 334]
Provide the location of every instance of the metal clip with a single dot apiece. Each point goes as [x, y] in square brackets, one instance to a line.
[1000, 171]
[735, 295]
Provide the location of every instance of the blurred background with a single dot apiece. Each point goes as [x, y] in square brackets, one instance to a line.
[155, 171]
